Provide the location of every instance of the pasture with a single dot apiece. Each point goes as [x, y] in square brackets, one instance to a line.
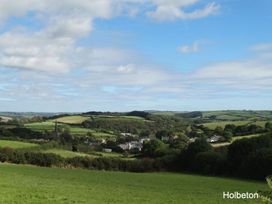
[74, 130]
[75, 119]
[213, 125]
[238, 115]
[29, 184]
[17, 144]
[5, 119]
[66, 153]
[244, 136]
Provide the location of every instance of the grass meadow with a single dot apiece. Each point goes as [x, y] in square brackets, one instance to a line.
[49, 125]
[213, 125]
[29, 184]
[17, 144]
[76, 119]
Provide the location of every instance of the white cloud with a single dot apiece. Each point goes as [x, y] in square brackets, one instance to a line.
[186, 49]
[264, 47]
[126, 69]
[94, 8]
[53, 48]
[252, 73]
[36, 52]
[72, 26]
[175, 9]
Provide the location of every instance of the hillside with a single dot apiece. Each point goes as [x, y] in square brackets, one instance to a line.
[51, 185]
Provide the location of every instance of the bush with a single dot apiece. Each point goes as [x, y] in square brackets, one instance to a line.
[257, 165]
[240, 149]
[154, 148]
[3, 157]
[187, 157]
[41, 159]
[210, 162]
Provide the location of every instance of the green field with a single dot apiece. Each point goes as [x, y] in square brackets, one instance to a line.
[244, 136]
[17, 144]
[40, 126]
[117, 117]
[238, 115]
[70, 154]
[65, 153]
[222, 124]
[27, 184]
[49, 125]
[234, 139]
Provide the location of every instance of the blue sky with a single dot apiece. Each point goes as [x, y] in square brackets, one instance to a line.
[122, 55]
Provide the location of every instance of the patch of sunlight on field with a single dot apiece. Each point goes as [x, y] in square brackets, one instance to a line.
[16, 144]
[76, 119]
[66, 153]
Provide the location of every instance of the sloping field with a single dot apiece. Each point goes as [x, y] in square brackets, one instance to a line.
[65, 153]
[16, 144]
[76, 119]
[222, 124]
[49, 125]
[27, 184]
[5, 119]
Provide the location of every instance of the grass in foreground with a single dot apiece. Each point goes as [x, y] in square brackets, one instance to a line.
[27, 184]
[17, 144]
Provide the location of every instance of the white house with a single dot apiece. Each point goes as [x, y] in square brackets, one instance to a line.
[135, 145]
[165, 138]
[126, 134]
[124, 146]
[215, 138]
[107, 150]
[132, 145]
[144, 139]
[193, 139]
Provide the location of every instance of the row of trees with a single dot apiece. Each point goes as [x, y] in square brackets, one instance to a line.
[151, 124]
[106, 163]
[250, 158]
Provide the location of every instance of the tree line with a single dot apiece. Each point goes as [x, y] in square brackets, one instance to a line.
[247, 158]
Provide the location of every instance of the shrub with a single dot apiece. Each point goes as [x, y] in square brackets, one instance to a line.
[258, 164]
[239, 150]
[210, 163]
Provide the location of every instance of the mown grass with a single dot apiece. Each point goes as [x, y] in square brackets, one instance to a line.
[17, 144]
[27, 184]
[75, 119]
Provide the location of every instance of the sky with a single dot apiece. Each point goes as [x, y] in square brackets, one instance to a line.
[123, 55]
